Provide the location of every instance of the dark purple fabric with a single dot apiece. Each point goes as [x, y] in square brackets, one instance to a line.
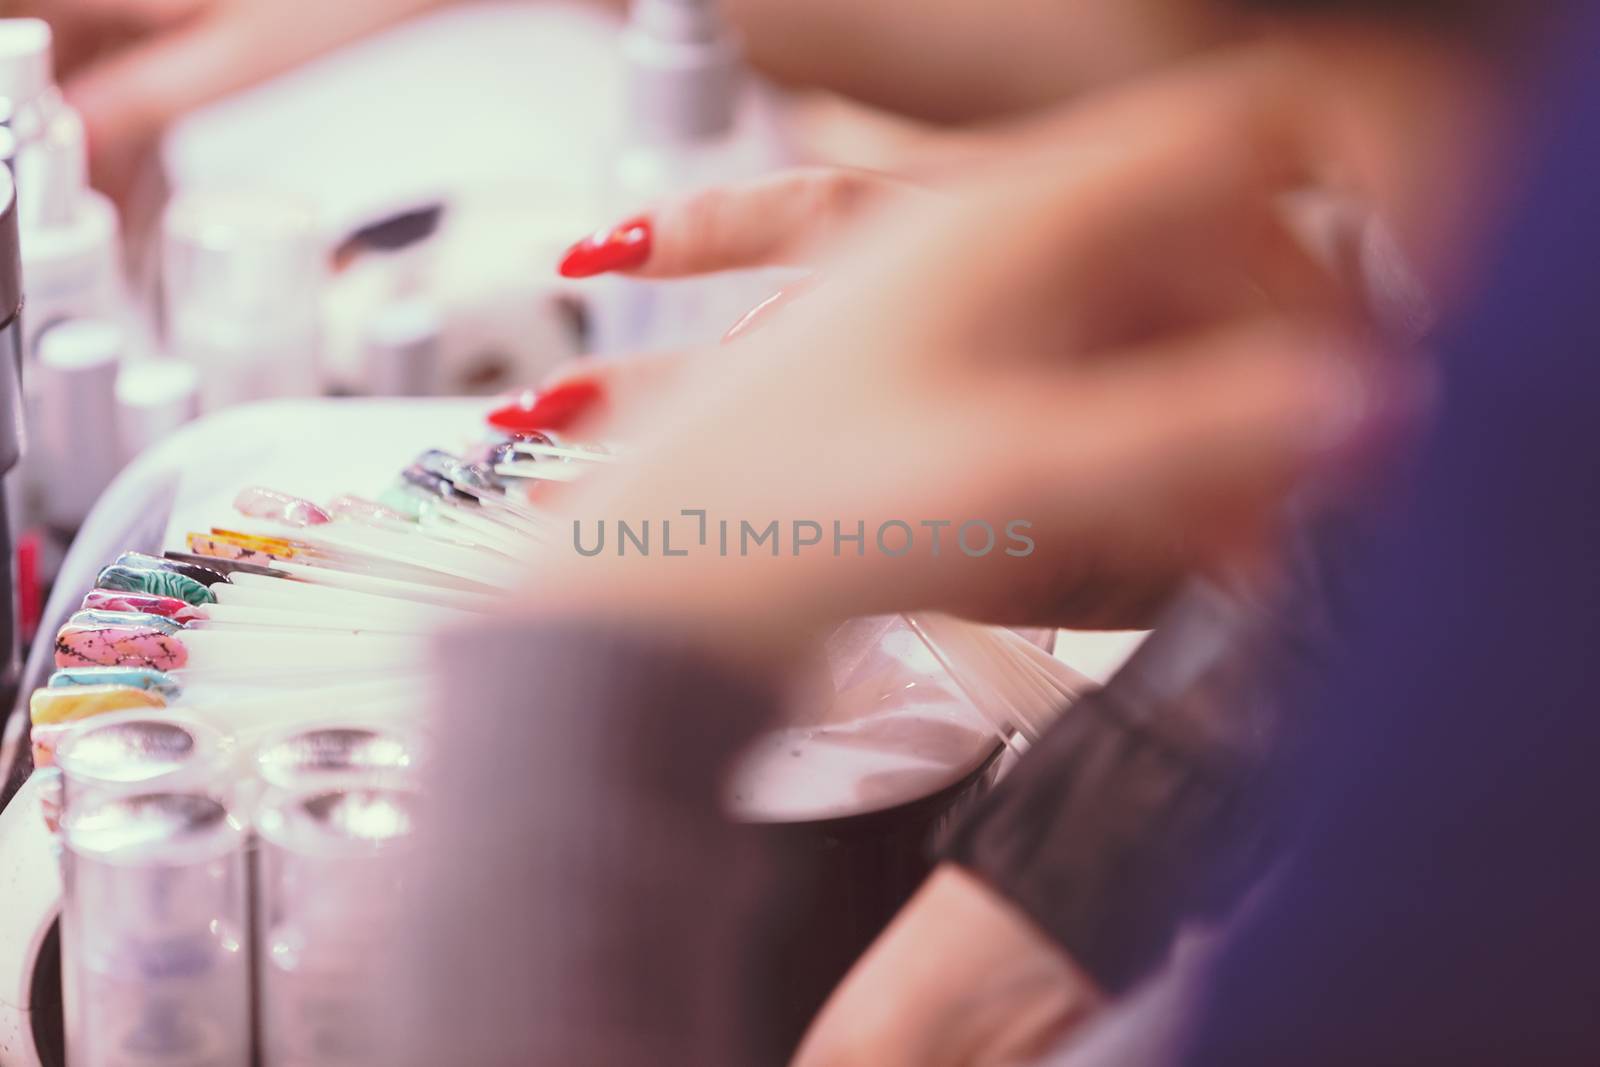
[1443, 902]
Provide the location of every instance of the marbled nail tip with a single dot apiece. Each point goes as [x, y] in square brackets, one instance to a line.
[79, 646]
[157, 583]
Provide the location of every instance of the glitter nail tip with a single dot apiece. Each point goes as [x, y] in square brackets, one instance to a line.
[261, 503]
[157, 583]
[118, 646]
[136, 677]
[48, 707]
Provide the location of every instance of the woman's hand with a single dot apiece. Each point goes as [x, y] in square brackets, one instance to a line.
[1109, 345]
[959, 979]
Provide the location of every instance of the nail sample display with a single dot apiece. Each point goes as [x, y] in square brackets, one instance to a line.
[275, 546]
[43, 740]
[119, 646]
[404, 498]
[206, 576]
[136, 677]
[362, 510]
[158, 583]
[50, 706]
[223, 566]
[452, 468]
[95, 617]
[166, 606]
[221, 546]
[261, 503]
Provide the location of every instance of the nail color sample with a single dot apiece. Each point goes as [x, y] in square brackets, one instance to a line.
[52, 706]
[225, 566]
[361, 509]
[457, 471]
[261, 503]
[552, 409]
[220, 547]
[44, 740]
[206, 576]
[275, 546]
[159, 583]
[117, 646]
[169, 607]
[622, 247]
[94, 617]
[137, 677]
[405, 499]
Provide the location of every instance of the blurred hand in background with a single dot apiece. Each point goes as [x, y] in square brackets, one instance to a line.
[131, 67]
[1110, 335]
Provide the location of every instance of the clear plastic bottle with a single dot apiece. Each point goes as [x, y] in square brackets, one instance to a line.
[693, 121]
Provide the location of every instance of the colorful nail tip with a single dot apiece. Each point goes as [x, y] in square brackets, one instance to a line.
[117, 646]
[404, 499]
[552, 409]
[228, 545]
[361, 509]
[157, 583]
[48, 707]
[458, 472]
[262, 503]
[169, 607]
[135, 677]
[621, 247]
[96, 617]
[206, 576]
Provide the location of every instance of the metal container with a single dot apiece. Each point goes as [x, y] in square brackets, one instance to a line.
[155, 948]
[331, 905]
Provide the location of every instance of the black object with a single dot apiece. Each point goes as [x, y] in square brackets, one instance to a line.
[10, 436]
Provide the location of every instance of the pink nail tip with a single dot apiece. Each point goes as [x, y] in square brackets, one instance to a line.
[362, 510]
[118, 646]
[261, 503]
[168, 606]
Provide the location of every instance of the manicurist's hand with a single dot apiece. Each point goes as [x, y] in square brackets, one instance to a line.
[1113, 358]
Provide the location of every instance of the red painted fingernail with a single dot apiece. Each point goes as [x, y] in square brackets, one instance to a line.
[763, 311]
[551, 409]
[622, 247]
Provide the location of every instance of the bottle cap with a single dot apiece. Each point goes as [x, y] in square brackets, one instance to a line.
[401, 350]
[154, 398]
[683, 71]
[75, 404]
[26, 69]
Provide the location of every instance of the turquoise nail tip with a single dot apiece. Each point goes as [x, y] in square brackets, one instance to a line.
[157, 583]
[138, 677]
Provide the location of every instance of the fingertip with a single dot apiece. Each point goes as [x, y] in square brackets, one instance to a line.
[621, 248]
